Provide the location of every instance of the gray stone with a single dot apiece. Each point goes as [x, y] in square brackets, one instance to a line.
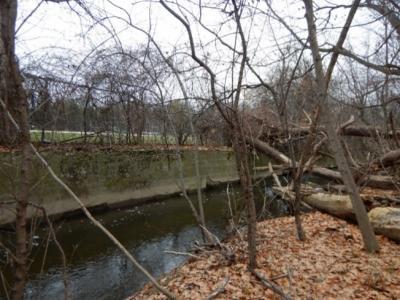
[386, 221]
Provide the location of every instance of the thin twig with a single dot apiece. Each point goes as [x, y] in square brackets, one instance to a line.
[276, 179]
[59, 247]
[226, 251]
[271, 285]
[3, 280]
[286, 275]
[182, 253]
[220, 289]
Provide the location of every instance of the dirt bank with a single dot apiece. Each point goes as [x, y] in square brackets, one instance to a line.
[330, 264]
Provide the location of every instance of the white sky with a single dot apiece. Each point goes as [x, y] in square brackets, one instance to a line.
[54, 28]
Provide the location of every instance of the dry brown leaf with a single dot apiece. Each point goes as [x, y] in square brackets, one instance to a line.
[330, 264]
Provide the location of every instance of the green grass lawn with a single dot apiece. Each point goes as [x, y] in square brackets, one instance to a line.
[61, 136]
[54, 136]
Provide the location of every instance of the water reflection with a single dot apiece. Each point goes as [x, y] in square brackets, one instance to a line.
[96, 270]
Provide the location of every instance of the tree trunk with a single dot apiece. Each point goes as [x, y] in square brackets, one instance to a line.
[43, 135]
[128, 122]
[298, 175]
[334, 141]
[8, 9]
[22, 237]
[14, 98]
[240, 148]
[85, 116]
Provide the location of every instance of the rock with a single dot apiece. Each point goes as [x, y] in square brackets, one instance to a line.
[386, 221]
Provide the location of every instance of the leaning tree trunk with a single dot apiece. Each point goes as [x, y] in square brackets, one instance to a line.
[322, 80]
[14, 102]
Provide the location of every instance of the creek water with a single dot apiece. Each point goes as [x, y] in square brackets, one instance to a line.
[97, 270]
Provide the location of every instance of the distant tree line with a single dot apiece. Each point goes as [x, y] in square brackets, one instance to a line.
[116, 95]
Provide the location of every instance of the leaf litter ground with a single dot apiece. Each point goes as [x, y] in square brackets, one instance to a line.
[330, 264]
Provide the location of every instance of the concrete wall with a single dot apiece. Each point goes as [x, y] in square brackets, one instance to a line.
[111, 178]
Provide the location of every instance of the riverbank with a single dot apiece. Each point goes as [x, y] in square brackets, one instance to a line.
[330, 264]
[88, 147]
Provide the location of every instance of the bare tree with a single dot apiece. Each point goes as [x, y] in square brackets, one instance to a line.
[323, 80]
[234, 119]
[11, 86]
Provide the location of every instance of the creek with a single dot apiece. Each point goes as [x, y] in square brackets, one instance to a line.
[97, 270]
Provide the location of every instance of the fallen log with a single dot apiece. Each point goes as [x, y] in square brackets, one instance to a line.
[379, 181]
[326, 173]
[270, 151]
[385, 220]
[376, 181]
[266, 168]
[351, 130]
[369, 194]
[388, 159]
[340, 204]
[369, 131]
[337, 205]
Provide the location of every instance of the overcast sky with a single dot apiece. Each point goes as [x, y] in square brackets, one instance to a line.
[55, 28]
